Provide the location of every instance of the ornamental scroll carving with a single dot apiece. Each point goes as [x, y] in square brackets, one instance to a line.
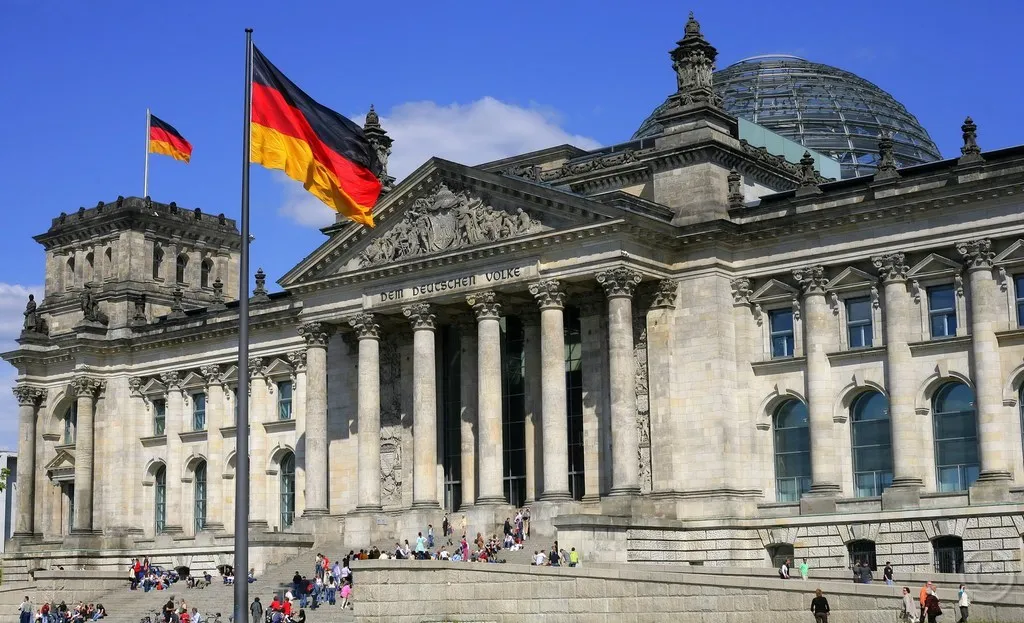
[443, 221]
[390, 421]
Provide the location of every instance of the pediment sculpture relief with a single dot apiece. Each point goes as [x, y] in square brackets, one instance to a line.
[443, 221]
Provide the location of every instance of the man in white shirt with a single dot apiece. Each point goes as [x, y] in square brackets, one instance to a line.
[444, 554]
[539, 559]
[784, 570]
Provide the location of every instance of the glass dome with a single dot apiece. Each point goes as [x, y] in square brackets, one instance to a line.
[831, 111]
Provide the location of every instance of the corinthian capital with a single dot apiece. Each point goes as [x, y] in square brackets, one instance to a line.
[171, 380]
[741, 290]
[420, 316]
[485, 305]
[812, 279]
[212, 373]
[365, 325]
[976, 253]
[548, 294]
[257, 368]
[619, 282]
[665, 294]
[316, 334]
[28, 396]
[891, 267]
[86, 386]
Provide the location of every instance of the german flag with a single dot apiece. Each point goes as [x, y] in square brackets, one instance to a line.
[164, 139]
[312, 144]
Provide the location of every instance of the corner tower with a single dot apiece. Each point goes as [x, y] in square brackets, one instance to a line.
[125, 263]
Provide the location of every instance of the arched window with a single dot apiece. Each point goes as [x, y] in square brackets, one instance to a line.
[108, 264]
[70, 423]
[69, 273]
[287, 490]
[160, 505]
[871, 443]
[204, 273]
[792, 451]
[200, 496]
[949, 554]
[158, 262]
[956, 437]
[1020, 406]
[90, 267]
[862, 551]
[179, 268]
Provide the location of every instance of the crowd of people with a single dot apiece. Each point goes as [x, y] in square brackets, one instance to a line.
[59, 613]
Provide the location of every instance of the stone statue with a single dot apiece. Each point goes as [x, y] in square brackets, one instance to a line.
[31, 317]
[90, 306]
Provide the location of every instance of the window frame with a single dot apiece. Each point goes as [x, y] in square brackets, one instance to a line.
[205, 272]
[878, 485]
[962, 476]
[198, 400]
[70, 419]
[1017, 309]
[180, 268]
[851, 325]
[946, 312]
[158, 262]
[160, 499]
[803, 483]
[159, 406]
[283, 402]
[773, 334]
[200, 493]
[286, 494]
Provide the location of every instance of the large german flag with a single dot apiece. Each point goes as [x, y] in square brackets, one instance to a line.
[312, 144]
[164, 139]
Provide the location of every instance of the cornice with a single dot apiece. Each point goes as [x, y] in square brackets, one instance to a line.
[940, 346]
[779, 366]
[279, 426]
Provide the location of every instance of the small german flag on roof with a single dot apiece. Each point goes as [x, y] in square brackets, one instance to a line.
[164, 139]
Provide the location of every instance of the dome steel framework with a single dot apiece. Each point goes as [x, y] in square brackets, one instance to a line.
[829, 110]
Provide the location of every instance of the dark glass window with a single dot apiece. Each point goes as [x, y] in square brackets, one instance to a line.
[574, 400]
[792, 451]
[1018, 288]
[287, 490]
[780, 321]
[871, 444]
[70, 423]
[198, 411]
[956, 437]
[949, 554]
[284, 400]
[204, 273]
[200, 497]
[158, 261]
[862, 551]
[942, 311]
[159, 417]
[513, 411]
[451, 400]
[160, 499]
[68, 489]
[858, 322]
[179, 268]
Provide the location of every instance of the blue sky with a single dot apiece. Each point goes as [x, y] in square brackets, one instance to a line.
[470, 81]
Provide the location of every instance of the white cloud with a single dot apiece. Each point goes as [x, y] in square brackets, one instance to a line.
[484, 130]
[12, 304]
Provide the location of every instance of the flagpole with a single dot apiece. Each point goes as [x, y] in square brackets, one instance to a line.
[145, 179]
[242, 423]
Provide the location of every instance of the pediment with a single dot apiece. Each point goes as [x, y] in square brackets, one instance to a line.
[774, 291]
[278, 368]
[851, 279]
[153, 387]
[934, 266]
[1012, 256]
[230, 375]
[444, 210]
[64, 459]
[193, 381]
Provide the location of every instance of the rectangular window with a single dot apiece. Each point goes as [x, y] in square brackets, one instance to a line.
[159, 417]
[513, 369]
[451, 401]
[858, 322]
[780, 323]
[284, 400]
[198, 411]
[71, 423]
[574, 400]
[1018, 289]
[942, 311]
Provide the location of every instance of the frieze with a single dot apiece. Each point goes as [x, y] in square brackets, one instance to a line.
[443, 221]
[451, 285]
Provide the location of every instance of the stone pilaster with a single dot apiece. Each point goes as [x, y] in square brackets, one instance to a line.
[596, 431]
[217, 417]
[488, 364]
[619, 285]
[424, 408]
[899, 382]
[467, 425]
[174, 422]
[817, 318]
[550, 298]
[993, 432]
[368, 412]
[317, 336]
[29, 399]
[85, 389]
[667, 461]
[261, 409]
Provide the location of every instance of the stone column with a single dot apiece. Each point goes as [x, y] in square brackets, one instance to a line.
[368, 412]
[490, 455]
[29, 399]
[818, 324]
[216, 512]
[550, 298]
[262, 408]
[899, 382]
[531, 391]
[85, 389]
[424, 405]
[596, 429]
[993, 434]
[619, 284]
[174, 418]
[467, 424]
[317, 336]
[667, 462]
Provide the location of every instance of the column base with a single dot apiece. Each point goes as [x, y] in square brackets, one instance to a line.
[26, 536]
[820, 500]
[213, 527]
[624, 490]
[990, 488]
[314, 512]
[904, 494]
[491, 500]
[428, 505]
[555, 496]
[171, 530]
[367, 509]
[258, 525]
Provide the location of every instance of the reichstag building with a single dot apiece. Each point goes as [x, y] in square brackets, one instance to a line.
[717, 343]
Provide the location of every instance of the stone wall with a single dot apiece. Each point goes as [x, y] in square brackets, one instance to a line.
[406, 591]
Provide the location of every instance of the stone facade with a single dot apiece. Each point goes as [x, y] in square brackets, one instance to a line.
[710, 289]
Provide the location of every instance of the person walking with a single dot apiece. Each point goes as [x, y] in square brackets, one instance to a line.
[805, 569]
[964, 602]
[910, 611]
[932, 607]
[923, 598]
[819, 607]
[25, 611]
[866, 576]
[346, 595]
[256, 610]
[887, 573]
[784, 570]
[858, 572]
[430, 536]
